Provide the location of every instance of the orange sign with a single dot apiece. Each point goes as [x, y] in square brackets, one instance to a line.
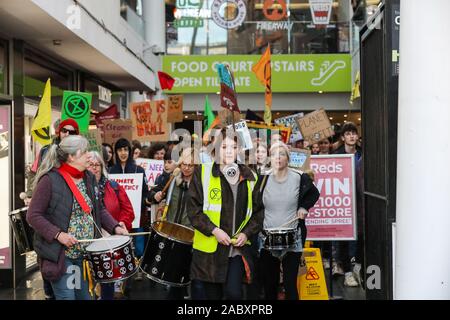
[312, 274]
[272, 10]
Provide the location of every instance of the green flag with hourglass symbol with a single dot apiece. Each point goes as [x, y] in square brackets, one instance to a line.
[77, 105]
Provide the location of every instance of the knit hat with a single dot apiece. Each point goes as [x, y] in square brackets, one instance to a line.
[68, 122]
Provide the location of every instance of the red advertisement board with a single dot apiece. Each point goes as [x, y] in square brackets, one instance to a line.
[334, 215]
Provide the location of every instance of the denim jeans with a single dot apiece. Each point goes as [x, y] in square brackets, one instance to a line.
[345, 251]
[72, 286]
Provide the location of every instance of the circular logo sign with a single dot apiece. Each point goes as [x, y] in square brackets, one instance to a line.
[228, 14]
[274, 12]
[215, 194]
[76, 106]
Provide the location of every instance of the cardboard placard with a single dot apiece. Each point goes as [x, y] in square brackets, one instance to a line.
[290, 121]
[116, 129]
[95, 140]
[300, 159]
[149, 119]
[315, 126]
[244, 137]
[175, 105]
[153, 169]
[285, 132]
[226, 119]
[132, 183]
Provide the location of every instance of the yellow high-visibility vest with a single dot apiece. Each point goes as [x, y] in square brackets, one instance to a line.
[212, 206]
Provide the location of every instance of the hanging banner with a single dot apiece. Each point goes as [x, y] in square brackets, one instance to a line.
[334, 215]
[109, 114]
[149, 121]
[132, 183]
[153, 169]
[315, 126]
[77, 105]
[175, 105]
[116, 129]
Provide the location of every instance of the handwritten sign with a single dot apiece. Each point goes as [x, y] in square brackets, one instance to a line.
[299, 159]
[153, 169]
[132, 183]
[315, 126]
[149, 119]
[116, 129]
[95, 140]
[175, 105]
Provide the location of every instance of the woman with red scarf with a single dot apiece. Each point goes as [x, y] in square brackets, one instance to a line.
[65, 208]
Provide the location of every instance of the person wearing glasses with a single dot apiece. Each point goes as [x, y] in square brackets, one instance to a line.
[118, 204]
[66, 208]
[63, 129]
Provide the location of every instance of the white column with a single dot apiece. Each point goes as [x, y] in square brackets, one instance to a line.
[422, 262]
[154, 14]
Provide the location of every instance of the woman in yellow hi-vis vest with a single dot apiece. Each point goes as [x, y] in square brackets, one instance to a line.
[225, 212]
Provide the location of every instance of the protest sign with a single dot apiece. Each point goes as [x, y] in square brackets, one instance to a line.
[132, 183]
[315, 126]
[109, 114]
[116, 129]
[175, 105]
[300, 159]
[334, 215]
[243, 134]
[149, 119]
[285, 132]
[153, 169]
[95, 140]
[77, 105]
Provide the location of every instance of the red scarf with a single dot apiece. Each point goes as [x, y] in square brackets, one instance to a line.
[74, 172]
[67, 171]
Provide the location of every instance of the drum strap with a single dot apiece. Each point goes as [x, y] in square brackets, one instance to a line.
[87, 274]
[76, 193]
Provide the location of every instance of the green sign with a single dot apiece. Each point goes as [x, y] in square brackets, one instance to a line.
[77, 105]
[290, 73]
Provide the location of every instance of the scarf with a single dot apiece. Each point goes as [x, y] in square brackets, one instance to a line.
[73, 172]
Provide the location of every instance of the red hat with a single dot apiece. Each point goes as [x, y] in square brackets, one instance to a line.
[68, 122]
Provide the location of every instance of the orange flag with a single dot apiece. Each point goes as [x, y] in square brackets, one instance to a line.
[263, 73]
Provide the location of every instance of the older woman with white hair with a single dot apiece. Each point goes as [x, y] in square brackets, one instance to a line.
[118, 205]
[65, 208]
[287, 195]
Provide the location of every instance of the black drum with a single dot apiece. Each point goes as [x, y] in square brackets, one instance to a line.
[280, 238]
[168, 254]
[22, 231]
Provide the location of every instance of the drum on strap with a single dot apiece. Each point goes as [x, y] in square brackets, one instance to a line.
[23, 233]
[168, 254]
[280, 238]
[112, 260]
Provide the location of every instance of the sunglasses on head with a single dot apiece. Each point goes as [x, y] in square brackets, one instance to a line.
[71, 132]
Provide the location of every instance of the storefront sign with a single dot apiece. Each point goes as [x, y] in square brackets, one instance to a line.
[132, 183]
[228, 14]
[290, 73]
[321, 11]
[334, 215]
[153, 169]
[275, 11]
[149, 119]
[189, 14]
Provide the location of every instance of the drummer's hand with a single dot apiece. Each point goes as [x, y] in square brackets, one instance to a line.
[27, 201]
[159, 196]
[67, 239]
[221, 236]
[240, 240]
[121, 230]
[302, 213]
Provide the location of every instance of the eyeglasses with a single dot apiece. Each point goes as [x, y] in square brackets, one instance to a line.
[71, 132]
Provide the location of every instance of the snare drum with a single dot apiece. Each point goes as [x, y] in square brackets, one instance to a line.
[22, 231]
[280, 238]
[168, 254]
[112, 260]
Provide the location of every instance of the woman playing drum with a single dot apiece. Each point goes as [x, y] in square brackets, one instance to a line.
[287, 195]
[66, 207]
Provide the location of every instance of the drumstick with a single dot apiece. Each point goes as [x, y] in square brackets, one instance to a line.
[108, 238]
[175, 173]
[285, 224]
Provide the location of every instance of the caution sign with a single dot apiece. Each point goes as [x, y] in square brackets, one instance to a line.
[77, 105]
[311, 282]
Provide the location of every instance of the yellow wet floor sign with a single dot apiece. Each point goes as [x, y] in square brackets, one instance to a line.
[311, 282]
